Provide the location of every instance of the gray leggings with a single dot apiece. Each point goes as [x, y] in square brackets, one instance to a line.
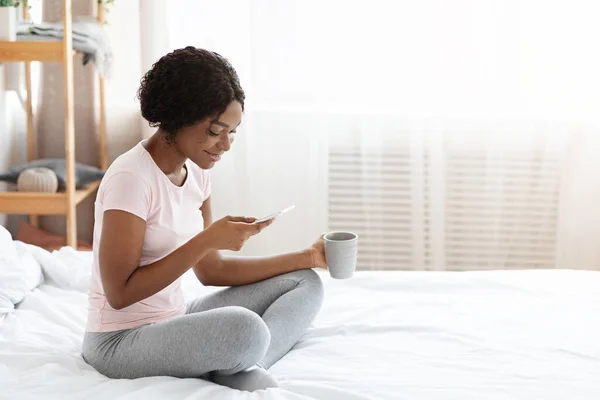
[223, 333]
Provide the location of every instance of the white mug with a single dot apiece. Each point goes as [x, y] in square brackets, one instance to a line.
[341, 252]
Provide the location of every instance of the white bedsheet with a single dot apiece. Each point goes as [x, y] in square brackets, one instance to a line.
[381, 335]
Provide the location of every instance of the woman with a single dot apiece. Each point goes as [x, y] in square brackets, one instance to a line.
[153, 223]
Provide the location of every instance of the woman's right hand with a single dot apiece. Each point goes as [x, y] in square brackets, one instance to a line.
[231, 233]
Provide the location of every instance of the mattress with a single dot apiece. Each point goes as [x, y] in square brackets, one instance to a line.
[380, 335]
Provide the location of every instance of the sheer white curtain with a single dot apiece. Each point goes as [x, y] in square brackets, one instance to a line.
[449, 135]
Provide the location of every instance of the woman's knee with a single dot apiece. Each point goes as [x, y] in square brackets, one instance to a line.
[308, 276]
[250, 335]
[247, 339]
[313, 282]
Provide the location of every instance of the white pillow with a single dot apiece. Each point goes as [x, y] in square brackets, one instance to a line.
[20, 273]
[7, 248]
[65, 268]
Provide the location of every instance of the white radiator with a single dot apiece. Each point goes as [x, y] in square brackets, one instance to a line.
[370, 194]
[451, 208]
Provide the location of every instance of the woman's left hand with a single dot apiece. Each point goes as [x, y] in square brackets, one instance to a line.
[317, 251]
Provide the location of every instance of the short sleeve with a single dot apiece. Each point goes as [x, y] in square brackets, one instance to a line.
[127, 192]
[206, 184]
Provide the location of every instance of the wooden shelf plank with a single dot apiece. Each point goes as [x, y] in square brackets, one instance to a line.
[41, 203]
[17, 51]
[82, 194]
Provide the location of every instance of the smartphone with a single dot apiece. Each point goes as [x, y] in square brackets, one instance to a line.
[277, 214]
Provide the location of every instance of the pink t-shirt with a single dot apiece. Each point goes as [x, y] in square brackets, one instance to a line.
[135, 184]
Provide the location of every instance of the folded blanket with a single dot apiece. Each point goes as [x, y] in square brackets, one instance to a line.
[89, 38]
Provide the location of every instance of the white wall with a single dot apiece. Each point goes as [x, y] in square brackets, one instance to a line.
[12, 134]
[123, 116]
[5, 136]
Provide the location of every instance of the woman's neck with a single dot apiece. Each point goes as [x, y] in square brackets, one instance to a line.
[165, 155]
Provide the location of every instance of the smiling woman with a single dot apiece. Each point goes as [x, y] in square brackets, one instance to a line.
[154, 223]
[196, 96]
[203, 142]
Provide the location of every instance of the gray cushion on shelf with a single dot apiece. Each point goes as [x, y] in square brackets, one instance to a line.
[84, 174]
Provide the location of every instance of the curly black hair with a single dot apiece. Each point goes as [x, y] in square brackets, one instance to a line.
[187, 86]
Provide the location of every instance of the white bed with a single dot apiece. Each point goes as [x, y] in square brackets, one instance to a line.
[381, 335]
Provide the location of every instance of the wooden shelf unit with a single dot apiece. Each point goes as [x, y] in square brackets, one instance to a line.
[42, 203]
[61, 203]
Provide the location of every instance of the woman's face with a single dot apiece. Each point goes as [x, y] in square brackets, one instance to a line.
[205, 142]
